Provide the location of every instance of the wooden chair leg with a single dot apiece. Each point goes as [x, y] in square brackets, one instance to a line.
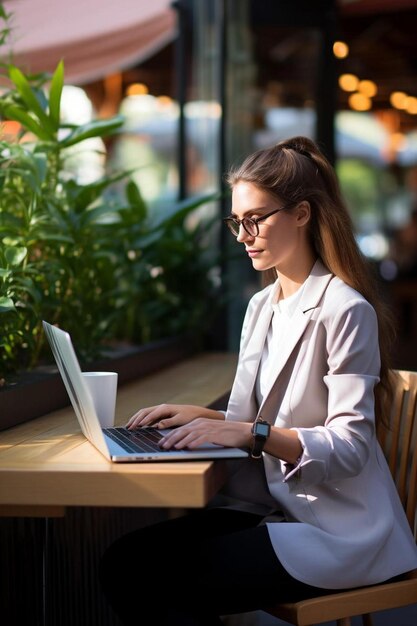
[345, 621]
[367, 620]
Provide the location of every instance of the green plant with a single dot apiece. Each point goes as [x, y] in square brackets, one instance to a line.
[168, 286]
[85, 256]
[39, 221]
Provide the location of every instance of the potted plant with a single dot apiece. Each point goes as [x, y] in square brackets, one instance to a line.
[89, 257]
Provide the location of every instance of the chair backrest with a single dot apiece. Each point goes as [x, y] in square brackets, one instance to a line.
[399, 442]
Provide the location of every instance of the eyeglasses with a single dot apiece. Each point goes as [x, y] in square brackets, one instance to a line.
[250, 224]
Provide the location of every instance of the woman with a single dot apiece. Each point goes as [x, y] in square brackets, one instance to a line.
[318, 510]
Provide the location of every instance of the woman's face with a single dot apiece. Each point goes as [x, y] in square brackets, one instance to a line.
[282, 240]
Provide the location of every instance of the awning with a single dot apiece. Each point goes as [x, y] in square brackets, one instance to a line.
[93, 37]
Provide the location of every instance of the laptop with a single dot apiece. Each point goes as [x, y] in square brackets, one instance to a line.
[118, 444]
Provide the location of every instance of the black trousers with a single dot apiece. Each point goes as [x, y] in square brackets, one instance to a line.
[191, 570]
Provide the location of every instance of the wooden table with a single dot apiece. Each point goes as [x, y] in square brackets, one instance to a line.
[47, 464]
[62, 503]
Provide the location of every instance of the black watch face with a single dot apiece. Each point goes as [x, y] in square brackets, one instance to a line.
[262, 430]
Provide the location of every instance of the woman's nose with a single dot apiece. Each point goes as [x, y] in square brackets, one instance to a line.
[243, 235]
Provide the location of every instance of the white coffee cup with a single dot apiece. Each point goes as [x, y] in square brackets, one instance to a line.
[103, 389]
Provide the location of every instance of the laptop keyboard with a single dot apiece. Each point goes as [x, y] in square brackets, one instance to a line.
[141, 440]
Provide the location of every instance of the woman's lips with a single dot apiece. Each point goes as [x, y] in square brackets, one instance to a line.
[252, 252]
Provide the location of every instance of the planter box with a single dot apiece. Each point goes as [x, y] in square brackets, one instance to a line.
[42, 390]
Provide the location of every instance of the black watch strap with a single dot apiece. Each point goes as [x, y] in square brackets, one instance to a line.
[260, 431]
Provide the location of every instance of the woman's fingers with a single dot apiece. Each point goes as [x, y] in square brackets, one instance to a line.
[163, 416]
[202, 431]
[181, 440]
[191, 435]
[147, 416]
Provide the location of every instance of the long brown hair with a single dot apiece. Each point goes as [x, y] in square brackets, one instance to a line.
[296, 170]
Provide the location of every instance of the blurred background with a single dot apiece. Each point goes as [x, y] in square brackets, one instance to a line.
[202, 83]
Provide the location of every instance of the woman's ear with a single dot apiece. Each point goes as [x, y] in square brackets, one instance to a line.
[303, 213]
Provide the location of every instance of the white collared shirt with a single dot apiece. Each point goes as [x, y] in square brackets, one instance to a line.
[282, 312]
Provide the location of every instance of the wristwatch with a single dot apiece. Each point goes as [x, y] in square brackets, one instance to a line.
[260, 432]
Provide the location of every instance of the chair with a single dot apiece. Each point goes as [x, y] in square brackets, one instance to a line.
[399, 443]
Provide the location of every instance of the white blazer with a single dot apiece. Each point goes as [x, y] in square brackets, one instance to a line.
[351, 529]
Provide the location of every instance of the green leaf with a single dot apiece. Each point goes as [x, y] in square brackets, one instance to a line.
[11, 241]
[8, 220]
[135, 199]
[6, 305]
[47, 236]
[97, 214]
[55, 94]
[41, 164]
[41, 97]
[96, 128]
[82, 196]
[14, 256]
[29, 98]
[13, 112]
[179, 211]
[4, 14]
[147, 240]
[27, 286]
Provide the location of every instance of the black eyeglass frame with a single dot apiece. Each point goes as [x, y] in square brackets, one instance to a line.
[229, 221]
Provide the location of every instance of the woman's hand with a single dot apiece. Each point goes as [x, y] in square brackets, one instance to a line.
[170, 415]
[203, 430]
